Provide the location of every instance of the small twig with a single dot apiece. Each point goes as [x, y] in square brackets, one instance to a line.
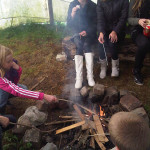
[100, 134]
[32, 127]
[33, 87]
[68, 117]
[59, 122]
[78, 105]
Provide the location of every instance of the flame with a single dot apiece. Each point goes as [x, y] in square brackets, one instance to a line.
[101, 112]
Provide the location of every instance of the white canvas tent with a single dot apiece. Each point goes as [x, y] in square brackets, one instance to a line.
[14, 12]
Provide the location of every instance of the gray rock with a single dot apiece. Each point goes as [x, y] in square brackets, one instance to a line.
[35, 116]
[24, 120]
[129, 102]
[32, 135]
[141, 112]
[99, 89]
[49, 146]
[123, 93]
[111, 97]
[114, 109]
[95, 98]
[85, 91]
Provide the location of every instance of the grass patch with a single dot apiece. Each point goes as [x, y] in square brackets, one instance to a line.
[31, 32]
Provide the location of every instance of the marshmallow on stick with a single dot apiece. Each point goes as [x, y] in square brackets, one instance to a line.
[78, 6]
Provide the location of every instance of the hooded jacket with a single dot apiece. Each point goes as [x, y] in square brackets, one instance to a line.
[84, 19]
[112, 15]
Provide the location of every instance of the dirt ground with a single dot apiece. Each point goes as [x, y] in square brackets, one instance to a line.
[38, 59]
[41, 62]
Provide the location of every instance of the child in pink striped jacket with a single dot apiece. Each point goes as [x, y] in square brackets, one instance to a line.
[10, 73]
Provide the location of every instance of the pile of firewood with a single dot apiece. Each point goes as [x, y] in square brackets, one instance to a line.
[91, 125]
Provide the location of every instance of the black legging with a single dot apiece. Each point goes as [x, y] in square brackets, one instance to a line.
[143, 44]
[110, 47]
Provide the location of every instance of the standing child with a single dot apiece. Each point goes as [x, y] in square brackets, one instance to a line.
[10, 73]
[129, 131]
[111, 22]
[139, 18]
[82, 21]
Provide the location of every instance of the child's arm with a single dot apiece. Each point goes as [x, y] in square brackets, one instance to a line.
[15, 90]
[19, 71]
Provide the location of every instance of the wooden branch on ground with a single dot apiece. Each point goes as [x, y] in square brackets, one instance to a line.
[99, 129]
[60, 122]
[33, 87]
[70, 127]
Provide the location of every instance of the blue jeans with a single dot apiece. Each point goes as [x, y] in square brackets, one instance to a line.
[83, 45]
[4, 96]
[11, 119]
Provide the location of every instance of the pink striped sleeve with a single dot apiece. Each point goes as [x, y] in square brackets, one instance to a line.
[15, 90]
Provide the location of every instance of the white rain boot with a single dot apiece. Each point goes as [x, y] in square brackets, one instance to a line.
[103, 68]
[89, 67]
[79, 71]
[115, 68]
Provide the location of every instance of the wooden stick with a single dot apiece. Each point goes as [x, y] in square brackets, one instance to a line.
[79, 112]
[92, 141]
[99, 129]
[60, 122]
[68, 117]
[98, 142]
[33, 87]
[100, 134]
[70, 127]
[32, 127]
[86, 109]
[79, 106]
[85, 126]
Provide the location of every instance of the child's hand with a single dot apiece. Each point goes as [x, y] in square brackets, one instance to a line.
[50, 98]
[15, 66]
[4, 121]
[101, 38]
[143, 22]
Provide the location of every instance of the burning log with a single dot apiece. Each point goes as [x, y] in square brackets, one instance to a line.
[97, 140]
[100, 130]
[85, 126]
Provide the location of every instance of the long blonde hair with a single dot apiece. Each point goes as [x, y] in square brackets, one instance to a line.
[137, 5]
[4, 52]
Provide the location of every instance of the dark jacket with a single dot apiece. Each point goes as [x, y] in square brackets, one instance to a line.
[84, 19]
[143, 12]
[112, 15]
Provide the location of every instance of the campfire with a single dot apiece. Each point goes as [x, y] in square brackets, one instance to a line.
[86, 126]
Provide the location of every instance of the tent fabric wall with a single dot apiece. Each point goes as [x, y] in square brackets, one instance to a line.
[14, 12]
